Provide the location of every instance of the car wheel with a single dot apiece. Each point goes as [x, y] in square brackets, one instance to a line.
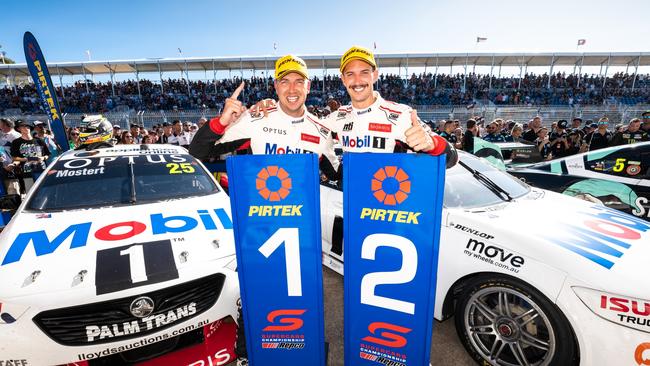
[503, 321]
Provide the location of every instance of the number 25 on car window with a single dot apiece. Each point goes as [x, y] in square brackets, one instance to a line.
[175, 168]
[619, 166]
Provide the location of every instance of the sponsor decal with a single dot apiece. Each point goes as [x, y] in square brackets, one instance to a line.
[348, 126]
[366, 141]
[640, 355]
[633, 169]
[44, 216]
[273, 183]
[99, 332]
[492, 254]
[380, 345]
[471, 231]
[626, 311]
[277, 131]
[289, 322]
[13, 362]
[391, 115]
[379, 127]
[76, 173]
[640, 209]
[141, 343]
[602, 236]
[309, 138]
[390, 186]
[364, 111]
[273, 149]
[141, 307]
[77, 234]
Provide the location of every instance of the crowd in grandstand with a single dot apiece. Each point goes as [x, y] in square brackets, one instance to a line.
[423, 89]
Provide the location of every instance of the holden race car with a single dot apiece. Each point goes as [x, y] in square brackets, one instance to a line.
[120, 255]
[618, 177]
[532, 277]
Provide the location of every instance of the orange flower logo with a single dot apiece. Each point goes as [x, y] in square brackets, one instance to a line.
[638, 354]
[273, 183]
[390, 185]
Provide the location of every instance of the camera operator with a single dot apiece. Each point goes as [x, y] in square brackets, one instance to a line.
[559, 140]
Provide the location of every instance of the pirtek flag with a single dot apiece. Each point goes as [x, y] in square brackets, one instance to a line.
[41, 76]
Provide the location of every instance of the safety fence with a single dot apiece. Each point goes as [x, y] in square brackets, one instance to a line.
[616, 114]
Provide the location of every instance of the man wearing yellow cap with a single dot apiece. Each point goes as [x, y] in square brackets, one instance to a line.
[286, 129]
[372, 124]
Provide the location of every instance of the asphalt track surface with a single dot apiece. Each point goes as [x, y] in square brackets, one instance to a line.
[446, 349]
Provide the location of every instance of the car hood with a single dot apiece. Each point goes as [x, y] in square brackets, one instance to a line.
[74, 250]
[605, 248]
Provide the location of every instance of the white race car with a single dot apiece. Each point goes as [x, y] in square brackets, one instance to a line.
[120, 255]
[532, 277]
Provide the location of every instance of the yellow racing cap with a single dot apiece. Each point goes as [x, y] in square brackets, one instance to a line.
[290, 63]
[358, 53]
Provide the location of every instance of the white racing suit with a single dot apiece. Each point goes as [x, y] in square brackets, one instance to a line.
[278, 133]
[381, 128]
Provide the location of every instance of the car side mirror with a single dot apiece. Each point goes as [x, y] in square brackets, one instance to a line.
[10, 202]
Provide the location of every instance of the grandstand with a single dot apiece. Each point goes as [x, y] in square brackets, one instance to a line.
[436, 94]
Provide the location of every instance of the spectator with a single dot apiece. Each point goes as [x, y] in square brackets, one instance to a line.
[448, 134]
[166, 134]
[73, 138]
[31, 152]
[535, 124]
[559, 139]
[135, 133]
[147, 139]
[631, 135]
[574, 141]
[599, 138]
[46, 136]
[127, 138]
[7, 132]
[471, 131]
[493, 133]
[515, 134]
[543, 144]
[117, 131]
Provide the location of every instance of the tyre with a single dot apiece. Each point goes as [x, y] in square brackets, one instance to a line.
[504, 321]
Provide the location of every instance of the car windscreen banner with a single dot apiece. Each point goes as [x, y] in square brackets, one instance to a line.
[392, 215]
[41, 76]
[276, 215]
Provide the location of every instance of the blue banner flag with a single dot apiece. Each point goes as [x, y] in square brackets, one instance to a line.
[41, 76]
[276, 215]
[393, 208]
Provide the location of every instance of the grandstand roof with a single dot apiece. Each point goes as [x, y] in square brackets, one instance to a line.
[332, 62]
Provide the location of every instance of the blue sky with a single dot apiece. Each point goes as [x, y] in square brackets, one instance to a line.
[120, 29]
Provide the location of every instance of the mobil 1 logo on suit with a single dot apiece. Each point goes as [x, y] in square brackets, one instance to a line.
[393, 205]
[276, 208]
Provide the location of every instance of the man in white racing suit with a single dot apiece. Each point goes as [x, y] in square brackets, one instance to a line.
[285, 129]
[372, 124]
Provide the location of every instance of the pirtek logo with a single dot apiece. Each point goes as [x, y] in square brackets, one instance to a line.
[390, 185]
[279, 180]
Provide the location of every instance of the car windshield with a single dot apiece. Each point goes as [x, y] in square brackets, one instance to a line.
[463, 190]
[85, 182]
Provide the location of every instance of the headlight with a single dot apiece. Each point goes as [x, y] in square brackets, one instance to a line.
[9, 313]
[622, 310]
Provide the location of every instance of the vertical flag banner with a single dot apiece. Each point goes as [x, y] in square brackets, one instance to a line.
[41, 76]
[392, 215]
[276, 215]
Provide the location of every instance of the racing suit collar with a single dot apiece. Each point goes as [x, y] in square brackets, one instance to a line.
[375, 105]
[293, 120]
